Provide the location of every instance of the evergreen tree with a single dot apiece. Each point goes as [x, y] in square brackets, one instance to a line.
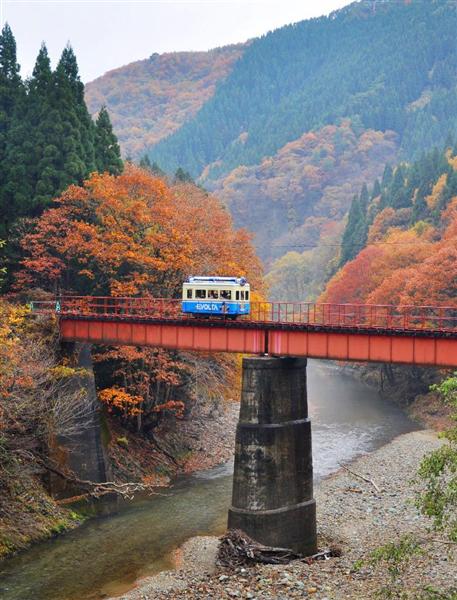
[156, 170]
[399, 197]
[183, 176]
[47, 137]
[364, 199]
[145, 163]
[67, 92]
[386, 176]
[11, 87]
[354, 236]
[376, 191]
[11, 95]
[107, 151]
[69, 66]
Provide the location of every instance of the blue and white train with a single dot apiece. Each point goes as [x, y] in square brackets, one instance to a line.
[226, 297]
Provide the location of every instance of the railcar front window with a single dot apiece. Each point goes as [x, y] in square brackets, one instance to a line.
[242, 294]
[247, 295]
[189, 294]
[200, 294]
[237, 295]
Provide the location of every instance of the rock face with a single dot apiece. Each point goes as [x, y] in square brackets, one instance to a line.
[83, 452]
[273, 481]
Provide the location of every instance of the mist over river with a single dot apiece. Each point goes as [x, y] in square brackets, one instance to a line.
[107, 554]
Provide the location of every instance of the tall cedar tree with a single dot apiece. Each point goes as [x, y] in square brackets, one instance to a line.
[11, 95]
[107, 151]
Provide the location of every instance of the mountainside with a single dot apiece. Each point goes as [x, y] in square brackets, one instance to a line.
[149, 99]
[385, 65]
[291, 197]
[400, 242]
[304, 118]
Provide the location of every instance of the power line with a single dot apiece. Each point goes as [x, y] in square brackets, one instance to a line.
[361, 245]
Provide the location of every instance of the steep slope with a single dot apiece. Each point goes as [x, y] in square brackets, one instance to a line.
[291, 197]
[403, 238]
[386, 65]
[149, 99]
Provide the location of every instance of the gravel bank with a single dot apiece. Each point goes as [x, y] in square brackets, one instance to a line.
[353, 513]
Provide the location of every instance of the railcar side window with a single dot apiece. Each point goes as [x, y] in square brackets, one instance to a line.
[200, 293]
[226, 294]
[213, 294]
[189, 294]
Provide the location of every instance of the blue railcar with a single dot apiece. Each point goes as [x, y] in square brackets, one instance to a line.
[226, 297]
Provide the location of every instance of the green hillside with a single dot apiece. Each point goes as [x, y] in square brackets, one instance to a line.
[384, 65]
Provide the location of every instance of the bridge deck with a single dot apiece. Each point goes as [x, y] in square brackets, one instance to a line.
[409, 335]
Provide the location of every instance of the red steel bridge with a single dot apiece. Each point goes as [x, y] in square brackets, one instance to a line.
[418, 335]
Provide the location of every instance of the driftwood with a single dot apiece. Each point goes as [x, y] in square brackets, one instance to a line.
[361, 477]
[237, 549]
[98, 489]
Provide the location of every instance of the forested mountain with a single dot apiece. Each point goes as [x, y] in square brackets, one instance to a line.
[149, 99]
[292, 197]
[305, 116]
[400, 241]
[386, 65]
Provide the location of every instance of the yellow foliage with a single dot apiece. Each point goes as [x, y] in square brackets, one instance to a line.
[452, 160]
[432, 200]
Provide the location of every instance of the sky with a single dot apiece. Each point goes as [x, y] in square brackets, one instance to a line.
[106, 34]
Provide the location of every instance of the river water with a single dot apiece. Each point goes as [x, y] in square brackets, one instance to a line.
[107, 554]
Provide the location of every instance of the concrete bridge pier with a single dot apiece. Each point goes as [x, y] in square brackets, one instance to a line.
[273, 480]
[83, 452]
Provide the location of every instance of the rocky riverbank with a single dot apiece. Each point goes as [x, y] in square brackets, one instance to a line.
[200, 442]
[360, 510]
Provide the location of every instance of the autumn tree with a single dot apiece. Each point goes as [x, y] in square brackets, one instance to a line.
[132, 235]
[407, 260]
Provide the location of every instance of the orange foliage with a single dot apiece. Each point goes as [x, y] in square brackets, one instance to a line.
[386, 219]
[134, 235]
[149, 99]
[308, 181]
[116, 398]
[131, 235]
[174, 406]
[353, 283]
[413, 267]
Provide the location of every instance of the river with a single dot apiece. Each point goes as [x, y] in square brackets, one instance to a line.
[107, 554]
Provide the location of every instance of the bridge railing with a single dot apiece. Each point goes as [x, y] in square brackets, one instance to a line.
[358, 315]
[441, 318]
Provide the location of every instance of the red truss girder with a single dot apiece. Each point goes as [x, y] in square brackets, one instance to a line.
[183, 337]
[347, 346]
